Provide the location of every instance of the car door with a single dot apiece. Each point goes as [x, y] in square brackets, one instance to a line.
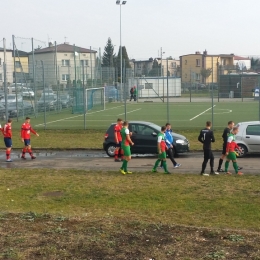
[144, 138]
[252, 137]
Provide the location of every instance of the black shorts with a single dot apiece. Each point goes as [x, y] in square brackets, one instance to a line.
[119, 144]
[208, 155]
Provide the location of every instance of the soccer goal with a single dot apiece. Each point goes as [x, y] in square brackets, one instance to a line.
[95, 99]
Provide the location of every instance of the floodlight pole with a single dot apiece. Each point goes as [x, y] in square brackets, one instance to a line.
[121, 56]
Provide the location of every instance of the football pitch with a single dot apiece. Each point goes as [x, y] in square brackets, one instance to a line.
[181, 115]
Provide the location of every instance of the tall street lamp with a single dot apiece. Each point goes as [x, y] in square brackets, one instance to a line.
[118, 2]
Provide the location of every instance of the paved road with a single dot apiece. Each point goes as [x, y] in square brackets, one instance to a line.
[97, 160]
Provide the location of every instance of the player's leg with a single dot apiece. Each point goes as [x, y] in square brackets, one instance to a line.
[158, 161]
[8, 145]
[127, 157]
[24, 150]
[205, 161]
[29, 149]
[116, 153]
[227, 164]
[235, 166]
[121, 151]
[223, 155]
[163, 156]
[171, 156]
[212, 164]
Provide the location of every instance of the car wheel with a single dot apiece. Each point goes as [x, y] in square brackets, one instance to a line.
[243, 149]
[110, 150]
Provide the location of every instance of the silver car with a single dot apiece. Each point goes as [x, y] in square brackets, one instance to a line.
[248, 137]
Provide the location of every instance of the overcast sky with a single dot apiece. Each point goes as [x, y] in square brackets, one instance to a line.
[178, 26]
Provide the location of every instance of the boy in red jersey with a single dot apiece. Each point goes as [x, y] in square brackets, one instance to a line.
[118, 140]
[7, 132]
[25, 137]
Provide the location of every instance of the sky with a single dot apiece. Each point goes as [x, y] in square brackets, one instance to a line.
[179, 27]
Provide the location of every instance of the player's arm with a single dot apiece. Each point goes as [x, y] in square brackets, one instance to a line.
[238, 148]
[22, 134]
[229, 141]
[200, 137]
[128, 137]
[213, 138]
[115, 134]
[34, 132]
[159, 144]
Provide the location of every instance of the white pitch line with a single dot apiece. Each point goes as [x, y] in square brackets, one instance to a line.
[130, 111]
[201, 113]
[77, 116]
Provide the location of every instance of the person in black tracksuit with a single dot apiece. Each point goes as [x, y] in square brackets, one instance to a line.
[132, 94]
[206, 137]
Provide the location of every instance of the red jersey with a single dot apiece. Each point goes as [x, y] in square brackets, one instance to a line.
[118, 129]
[231, 147]
[7, 131]
[26, 131]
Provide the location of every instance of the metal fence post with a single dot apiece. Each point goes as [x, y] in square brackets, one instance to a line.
[43, 80]
[84, 94]
[5, 85]
[168, 112]
[125, 88]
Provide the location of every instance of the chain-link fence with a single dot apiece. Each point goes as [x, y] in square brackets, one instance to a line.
[63, 86]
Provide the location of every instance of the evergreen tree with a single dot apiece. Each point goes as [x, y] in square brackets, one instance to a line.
[108, 55]
[125, 61]
[156, 69]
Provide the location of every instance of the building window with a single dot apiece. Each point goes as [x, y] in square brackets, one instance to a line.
[198, 62]
[83, 54]
[65, 77]
[65, 54]
[84, 62]
[65, 62]
[185, 75]
[174, 65]
[197, 76]
[148, 85]
[18, 64]
[186, 62]
[1, 77]
[139, 66]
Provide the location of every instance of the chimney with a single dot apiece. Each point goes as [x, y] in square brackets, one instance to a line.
[205, 53]
[50, 44]
[66, 43]
[197, 52]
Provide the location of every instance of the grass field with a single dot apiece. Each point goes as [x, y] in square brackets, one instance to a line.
[182, 115]
[74, 214]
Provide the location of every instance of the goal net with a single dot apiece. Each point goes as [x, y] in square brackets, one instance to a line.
[92, 100]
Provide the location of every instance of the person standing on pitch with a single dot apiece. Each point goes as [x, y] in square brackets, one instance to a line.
[169, 141]
[118, 140]
[231, 152]
[25, 137]
[131, 94]
[225, 135]
[126, 141]
[7, 132]
[161, 145]
[135, 93]
[206, 137]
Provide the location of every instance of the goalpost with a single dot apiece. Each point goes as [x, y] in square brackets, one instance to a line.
[95, 99]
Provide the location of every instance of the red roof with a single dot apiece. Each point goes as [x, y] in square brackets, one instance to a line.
[240, 58]
[64, 48]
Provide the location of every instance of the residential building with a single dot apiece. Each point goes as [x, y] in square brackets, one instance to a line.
[66, 66]
[193, 64]
[173, 67]
[9, 66]
[21, 66]
[242, 63]
[142, 67]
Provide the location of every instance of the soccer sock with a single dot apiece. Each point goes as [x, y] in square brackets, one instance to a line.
[220, 163]
[226, 166]
[23, 152]
[122, 154]
[7, 154]
[156, 164]
[235, 166]
[123, 165]
[126, 163]
[30, 152]
[116, 154]
[165, 166]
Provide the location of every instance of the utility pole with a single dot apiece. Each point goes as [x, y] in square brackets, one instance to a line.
[5, 85]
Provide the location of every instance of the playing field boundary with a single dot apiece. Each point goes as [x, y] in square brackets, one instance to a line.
[202, 113]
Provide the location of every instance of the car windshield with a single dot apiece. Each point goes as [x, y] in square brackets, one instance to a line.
[10, 97]
[47, 98]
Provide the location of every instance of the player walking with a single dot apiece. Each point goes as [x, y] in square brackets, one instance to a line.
[225, 135]
[126, 141]
[7, 132]
[206, 137]
[118, 140]
[161, 145]
[169, 141]
[25, 137]
[231, 153]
